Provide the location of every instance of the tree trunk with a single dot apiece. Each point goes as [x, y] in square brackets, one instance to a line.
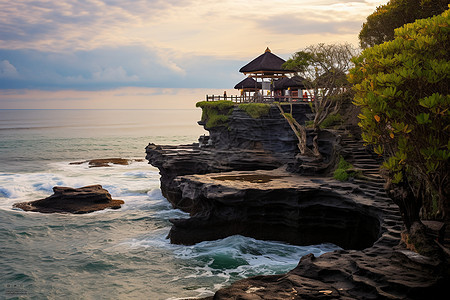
[316, 151]
[299, 131]
[409, 204]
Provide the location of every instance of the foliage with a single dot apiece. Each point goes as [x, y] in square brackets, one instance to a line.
[324, 68]
[343, 164]
[379, 26]
[215, 113]
[340, 174]
[344, 170]
[327, 123]
[402, 87]
[331, 120]
[255, 110]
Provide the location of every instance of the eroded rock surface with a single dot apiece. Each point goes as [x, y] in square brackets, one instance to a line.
[283, 207]
[238, 184]
[375, 273]
[73, 200]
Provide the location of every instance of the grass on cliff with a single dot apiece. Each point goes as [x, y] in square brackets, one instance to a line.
[215, 113]
[332, 121]
[255, 110]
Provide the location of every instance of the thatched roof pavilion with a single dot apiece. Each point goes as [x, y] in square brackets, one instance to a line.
[267, 65]
[248, 84]
[295, 82]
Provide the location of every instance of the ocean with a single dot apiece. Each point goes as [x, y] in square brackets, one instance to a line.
[110, 254]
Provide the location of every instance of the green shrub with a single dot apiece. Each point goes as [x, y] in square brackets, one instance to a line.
[341, 175]
[402, 88]
[344, 170]
[343, 164]
[255, 110]
[331, 120]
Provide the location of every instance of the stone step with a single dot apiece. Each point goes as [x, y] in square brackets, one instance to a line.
[361, 154]
[367, 161]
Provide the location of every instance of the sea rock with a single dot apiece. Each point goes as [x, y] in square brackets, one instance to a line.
[73, 200]
[105, 162]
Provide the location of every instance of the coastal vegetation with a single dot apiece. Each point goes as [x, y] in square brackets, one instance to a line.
[255, 110]
[215, 113]
[332, 121]
[323, 68]
[380, 25]
[344, 170]
[402, 89]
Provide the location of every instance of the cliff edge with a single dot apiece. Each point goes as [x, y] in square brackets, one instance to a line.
[246, 178]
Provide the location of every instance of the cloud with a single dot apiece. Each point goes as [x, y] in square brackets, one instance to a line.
[107, 68]
[113, 75]
[302, 25]
[104, 44]
[73, 24]
[7, 70]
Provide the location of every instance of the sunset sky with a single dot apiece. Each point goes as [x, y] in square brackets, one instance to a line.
[151, 53]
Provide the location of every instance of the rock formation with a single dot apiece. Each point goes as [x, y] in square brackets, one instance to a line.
[73, 200]
[105, 162]
[240, 181]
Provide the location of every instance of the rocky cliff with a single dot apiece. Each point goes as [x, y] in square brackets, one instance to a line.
[238, 181]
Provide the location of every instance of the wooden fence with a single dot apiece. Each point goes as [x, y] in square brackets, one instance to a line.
[258, 99]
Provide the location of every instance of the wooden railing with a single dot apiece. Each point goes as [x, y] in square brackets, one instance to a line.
[258, 99]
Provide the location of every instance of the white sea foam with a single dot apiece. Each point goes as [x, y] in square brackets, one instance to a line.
[231, 258]
[128, 246]
[136, 183]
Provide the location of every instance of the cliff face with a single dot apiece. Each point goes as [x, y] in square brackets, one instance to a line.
[279, 206]
[270, 132]
[239, 181]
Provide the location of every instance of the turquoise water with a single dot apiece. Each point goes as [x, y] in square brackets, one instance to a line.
[111, 254]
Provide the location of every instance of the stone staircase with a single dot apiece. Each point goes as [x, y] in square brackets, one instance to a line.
[371, 182]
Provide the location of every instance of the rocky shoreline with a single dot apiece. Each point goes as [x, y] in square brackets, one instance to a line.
[241, 182]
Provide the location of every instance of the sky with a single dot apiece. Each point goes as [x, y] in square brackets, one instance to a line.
[144, 54]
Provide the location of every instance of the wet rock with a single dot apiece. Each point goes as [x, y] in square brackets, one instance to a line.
[370, 274]
[73, 200]
[106, 162]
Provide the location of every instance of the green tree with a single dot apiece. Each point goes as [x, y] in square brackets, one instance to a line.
[324, 69]
[402, 88]
[379, 26]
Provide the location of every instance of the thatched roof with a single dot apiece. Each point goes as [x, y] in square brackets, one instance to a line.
[267, 62]
[248, 84]
[285, 83]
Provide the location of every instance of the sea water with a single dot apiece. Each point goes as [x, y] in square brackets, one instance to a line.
[110, 254]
